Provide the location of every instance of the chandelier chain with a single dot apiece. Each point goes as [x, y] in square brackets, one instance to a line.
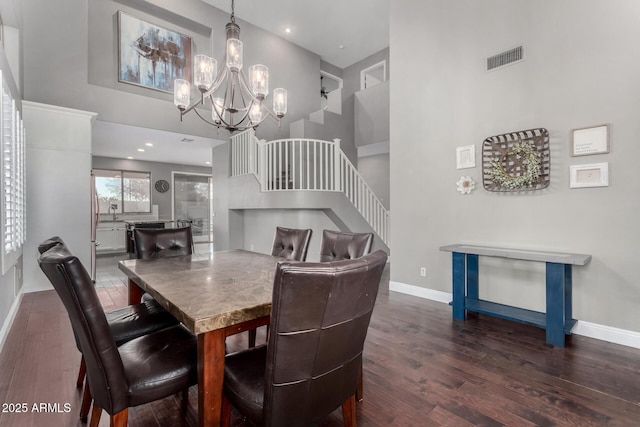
[233, 11]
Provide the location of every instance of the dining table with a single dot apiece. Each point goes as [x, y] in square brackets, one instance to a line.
[214, 295]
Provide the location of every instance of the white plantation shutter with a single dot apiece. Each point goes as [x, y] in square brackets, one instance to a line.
[13, 182]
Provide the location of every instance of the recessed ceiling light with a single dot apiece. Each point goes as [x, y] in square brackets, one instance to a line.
[341, 46]
[141, 150]
[129, 157]
[149, 144]
[207, 163]
[287, 30]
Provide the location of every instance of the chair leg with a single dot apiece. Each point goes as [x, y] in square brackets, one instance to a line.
[120, 419]
[359, 391]
[349, 412]
[184, 405]
[225, 421]
[96, 412]
[81, 373]
[86, 403]
[252, 338]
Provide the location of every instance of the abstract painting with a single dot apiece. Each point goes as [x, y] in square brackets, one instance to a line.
[151, 56]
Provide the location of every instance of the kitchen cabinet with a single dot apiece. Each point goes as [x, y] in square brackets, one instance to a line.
[112, 238]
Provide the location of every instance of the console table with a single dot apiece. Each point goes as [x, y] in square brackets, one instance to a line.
[557, 321]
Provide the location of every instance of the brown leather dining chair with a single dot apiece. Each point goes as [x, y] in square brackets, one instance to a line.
[125, 324]
[139, 371]
[342, 245]
[338, 245]
[291, 244]
[320, 314]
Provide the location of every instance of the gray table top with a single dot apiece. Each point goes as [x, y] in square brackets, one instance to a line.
[524, 254]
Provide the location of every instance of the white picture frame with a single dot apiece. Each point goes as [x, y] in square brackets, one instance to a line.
[590, 140]
[466, 157]
[591, 175]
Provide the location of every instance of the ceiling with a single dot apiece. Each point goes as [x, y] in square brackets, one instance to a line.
[341, 32]
[122, 141]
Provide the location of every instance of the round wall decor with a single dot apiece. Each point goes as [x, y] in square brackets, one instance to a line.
[162, 186]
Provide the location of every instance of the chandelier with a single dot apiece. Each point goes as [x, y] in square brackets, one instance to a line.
[241, 105]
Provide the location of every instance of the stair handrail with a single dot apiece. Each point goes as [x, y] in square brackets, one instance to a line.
[295, 164]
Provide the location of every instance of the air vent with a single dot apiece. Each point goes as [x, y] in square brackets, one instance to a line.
[505, 58]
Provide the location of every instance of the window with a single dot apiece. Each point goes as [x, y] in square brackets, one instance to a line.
[13, 183]
[123, 191]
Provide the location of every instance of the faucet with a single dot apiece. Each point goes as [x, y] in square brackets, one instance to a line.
[113, 206]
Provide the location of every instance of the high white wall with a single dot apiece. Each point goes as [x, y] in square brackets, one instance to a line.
[58, 184]
[71, 59]
[577, 72]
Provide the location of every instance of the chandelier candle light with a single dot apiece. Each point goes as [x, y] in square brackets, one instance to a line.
[241, 105]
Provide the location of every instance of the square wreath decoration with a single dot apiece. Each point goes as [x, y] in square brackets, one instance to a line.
[516, 161]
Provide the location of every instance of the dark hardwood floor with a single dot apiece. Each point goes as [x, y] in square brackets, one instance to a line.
[421, 368]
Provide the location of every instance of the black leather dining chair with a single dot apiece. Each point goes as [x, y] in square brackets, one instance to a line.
[152, 243]
[337, 245]
[139, 371]
[290, 244]
[320, 314]
[125, 324]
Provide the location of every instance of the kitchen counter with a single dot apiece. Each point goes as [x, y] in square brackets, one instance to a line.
[147, 221]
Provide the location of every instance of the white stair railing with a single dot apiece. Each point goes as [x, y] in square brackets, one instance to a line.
[244, 153]
[308, 165]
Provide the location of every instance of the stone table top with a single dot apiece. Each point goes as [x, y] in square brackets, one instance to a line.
[208, 291]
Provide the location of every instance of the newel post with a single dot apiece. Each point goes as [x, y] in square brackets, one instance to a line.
[337, 153]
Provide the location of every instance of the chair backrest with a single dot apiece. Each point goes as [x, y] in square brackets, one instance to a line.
[320, 314]
[154, 243]
[105, 371]
[291, 243]
[49, 243]
[340, 245]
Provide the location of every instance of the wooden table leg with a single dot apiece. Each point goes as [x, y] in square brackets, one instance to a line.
[459, 288]
[135, 293]
[210, 377]
[555, 316]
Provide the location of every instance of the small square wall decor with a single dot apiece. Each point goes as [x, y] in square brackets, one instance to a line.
[592, 175]
[466, 157]
[590, 140]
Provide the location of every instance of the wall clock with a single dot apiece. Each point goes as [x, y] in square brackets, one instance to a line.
[162, 186]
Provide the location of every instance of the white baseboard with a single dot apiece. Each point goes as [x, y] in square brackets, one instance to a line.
[607, 333]
[6, 327]
[587, 329]
[417, 291]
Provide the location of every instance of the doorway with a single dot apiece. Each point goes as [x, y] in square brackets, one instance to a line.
[191, 203]
[373, 75]
[330, 92]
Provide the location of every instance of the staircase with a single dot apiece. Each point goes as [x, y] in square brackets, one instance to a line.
[308, 165]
